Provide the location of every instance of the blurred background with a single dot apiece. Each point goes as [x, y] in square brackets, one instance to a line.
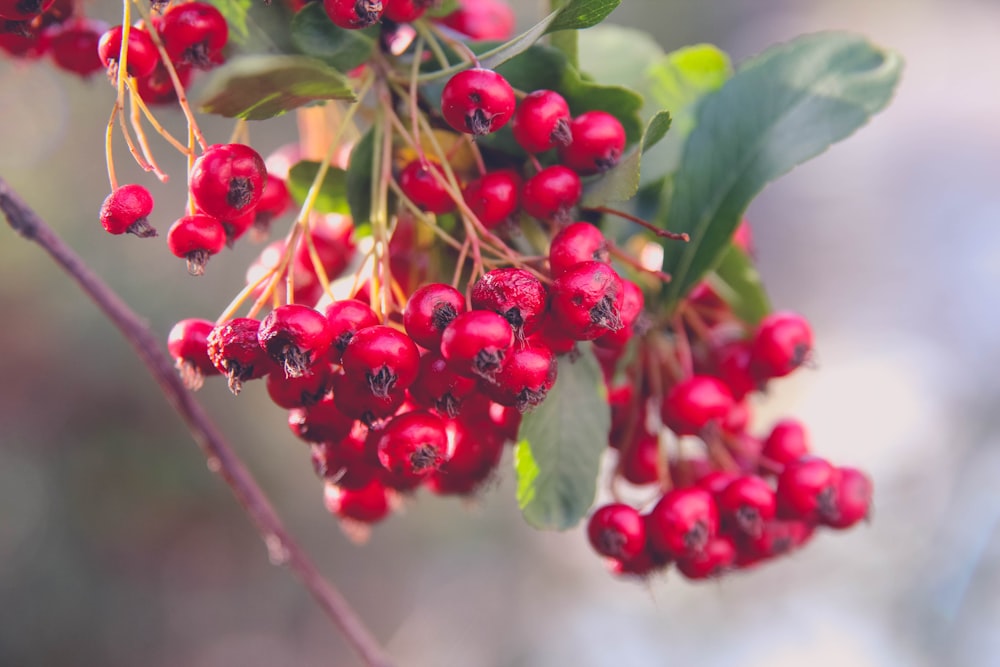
[119, 548]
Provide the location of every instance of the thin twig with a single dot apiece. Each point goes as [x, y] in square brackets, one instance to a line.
[222, 459]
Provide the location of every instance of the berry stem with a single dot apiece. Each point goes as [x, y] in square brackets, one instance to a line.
[108, 152]
[460, 47]
[139, 158]
[662, 233]
[135, 119]
[623, 256]
[222, 459]
[162, 131]
[433, 44]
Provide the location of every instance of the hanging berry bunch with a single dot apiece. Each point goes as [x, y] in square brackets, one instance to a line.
[493, 247]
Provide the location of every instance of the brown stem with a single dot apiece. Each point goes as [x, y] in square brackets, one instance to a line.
[282, 548]
[662, 233]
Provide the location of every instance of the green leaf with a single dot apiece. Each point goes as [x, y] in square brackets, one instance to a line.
[632, 51]
[783, 107]
[332, 197]
[359, 179]
[578, 14]
[315, 35]
[558, 454]
[443, 8]
[622, 182]
[259, 87]
[738, 283]
[235, 12]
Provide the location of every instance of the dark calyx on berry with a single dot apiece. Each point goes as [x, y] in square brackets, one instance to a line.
[369, 12]
[443, 315]
[382, 382]
[240, 192]
[605, 314]
[487, 363]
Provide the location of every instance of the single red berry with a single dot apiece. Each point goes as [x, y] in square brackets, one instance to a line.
[353, 396]
[188, 345]
[777, 538]
[295, 337]
[302, 390]
[641, 461]
[413, 444]
[477, 101]
[73, 46]
[718, 557]
[807, 490]
[633, 302]
[126, 210]
[597, 145]
[196, 238]
[642, 566]
[587, 300]
[345, 319]
[354, 14]
[227, 180]
[475, 343]
[367, 504]
[483, 19]
[404, 11]
[515, 294]
[321, 422]
[23, 10]
[494, 197]
[142, 54]
[429, 310]
[275, 200]
[541, 122]
[475, 453]
[783, 343]
[234, 350]
[553, 336]
[732, 366]
[854, 499]
[194, 33]
[385, 358]
[552, 193]
[787, 442]
[524, 379]
[424, 188]
[692, 404]
[575, 243]
[683, 522]
[158, 88]
[617, 531]
[738, 418]
[746, 504]
[32, 45]
[439, 387]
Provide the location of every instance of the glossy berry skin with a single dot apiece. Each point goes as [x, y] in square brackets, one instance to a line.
[692, 404]
[386, 358]
[718, 557]
[142, 55]
[404, 11]
[158, 88]
[234, 350]
[440, 388]
[494, 197]
[476, 342]
[477, 101]
[633, 302]
[587, 300]
[413, 444]
[483, 19]
[367, 504]
[640, 463]
[195, 238]
[746, 504]
[194, 33]
[617, 531]
[321, 422]
[515, 294]
[782, 343]
[227, 180]
[524, 379]
[126, 210]
[597, 145]
[853, 501]
[353, 396]
[345, 318]
[296, 337]
[429, 311]
[300, 391]
[23, 10]
[575, 243]
[552, 193]
[354, 14]
[418, 182]
[787, 442]
[73, 46]
[475, 453]
[541, 121]
[807, 490]
[188, 345]
[683, 522]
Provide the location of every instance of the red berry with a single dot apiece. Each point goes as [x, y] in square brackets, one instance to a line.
[439, 387]
[404, 11]
[807, 490]
[716, 481]
[718, 557]
[575, 243]
[476, 342]
[295, 337]
[477, 101]
[787, 442]
[617, 531]
[194, 33]
[515, 294]
[641, 461]
[234, 350]
[413, 444]
[73, 46]
[275, 200]
[475, 453]
[692, 404]
[195, 238]
[854, 499]
[302, 390]
[552, 193]
[597, 145]
[188, 345]
[321, 422]
[354, 14]
[524, 379]
[683, 522]
[483, 19]
[632, 304]
[142, 54]
[778, 537]
[424, 189]
[587, 300]
[353, 396]
[732, 363]
[383, 357]
[126, 209]
[746, 504]
[23, 10]
[429, 310]
[542, 121]
[227, 180]
[158, 88]
[782, 344]
[493, 197]
[345, 318]
[367, 504]
[31, 45]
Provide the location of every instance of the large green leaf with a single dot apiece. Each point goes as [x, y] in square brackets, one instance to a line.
[359, 179]
[621, 183]
[259, 87]
[559, 447]
[617, 55]
[783, 107]
[314, 34]
[738, 283]
[332, 196]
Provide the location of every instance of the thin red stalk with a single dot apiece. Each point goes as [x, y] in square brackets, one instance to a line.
[642, 223]
[221, 457]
